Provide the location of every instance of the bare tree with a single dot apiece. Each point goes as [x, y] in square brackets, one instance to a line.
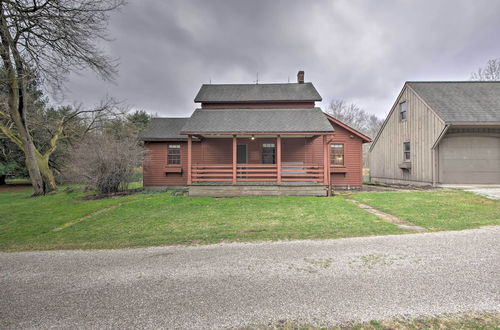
[47, 39]
[104, 162]
[355, 117]
[491, 72]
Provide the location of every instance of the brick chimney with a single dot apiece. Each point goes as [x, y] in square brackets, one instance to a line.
[300, 77]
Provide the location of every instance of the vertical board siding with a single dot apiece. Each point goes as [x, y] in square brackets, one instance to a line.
[421, 129]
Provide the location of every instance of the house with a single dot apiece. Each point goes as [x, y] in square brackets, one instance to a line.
[440, 133]
[253, 139]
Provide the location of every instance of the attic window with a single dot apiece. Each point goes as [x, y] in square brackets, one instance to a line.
[403, 110]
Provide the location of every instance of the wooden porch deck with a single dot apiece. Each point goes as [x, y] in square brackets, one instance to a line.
[296, 172]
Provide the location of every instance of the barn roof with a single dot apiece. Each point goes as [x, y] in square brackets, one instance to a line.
[257, 121]
[164, 129]
[257, 92]
[461, 101]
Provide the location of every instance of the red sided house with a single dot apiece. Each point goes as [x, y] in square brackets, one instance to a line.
[254, 139]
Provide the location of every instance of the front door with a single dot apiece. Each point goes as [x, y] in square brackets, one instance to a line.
[241, 154]
[268, 153]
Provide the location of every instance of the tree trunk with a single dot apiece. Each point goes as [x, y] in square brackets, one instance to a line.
[2, 180]
[46, 173]
[33, 168]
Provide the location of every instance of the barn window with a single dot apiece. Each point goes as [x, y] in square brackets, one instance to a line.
[174, 154]
[268, 153]
[403, 110]
[337, 154]
[406, 151]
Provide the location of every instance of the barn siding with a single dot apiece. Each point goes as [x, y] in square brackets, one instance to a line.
[421, 129]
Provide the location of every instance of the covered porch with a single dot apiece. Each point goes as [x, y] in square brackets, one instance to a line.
[256, 164]
[258, 147]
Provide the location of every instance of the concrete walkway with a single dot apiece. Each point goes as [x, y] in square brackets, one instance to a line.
[491, 191]
[403, 224]
[234, 285]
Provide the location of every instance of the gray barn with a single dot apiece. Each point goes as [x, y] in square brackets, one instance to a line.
[440, 133]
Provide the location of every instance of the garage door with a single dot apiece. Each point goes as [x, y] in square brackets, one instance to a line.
[469, 159]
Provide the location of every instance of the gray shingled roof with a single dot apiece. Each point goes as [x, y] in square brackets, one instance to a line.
[257, 92]
[257, 120]
[461, 102]
[164, 129]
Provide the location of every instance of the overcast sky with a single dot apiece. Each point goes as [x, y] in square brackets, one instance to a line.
[359, 51]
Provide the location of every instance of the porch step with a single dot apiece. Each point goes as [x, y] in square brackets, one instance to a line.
[257, 190]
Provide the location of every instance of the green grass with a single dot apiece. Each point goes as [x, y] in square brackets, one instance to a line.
[436, 210]
[487, 321]
[18, 180]
[159, 218]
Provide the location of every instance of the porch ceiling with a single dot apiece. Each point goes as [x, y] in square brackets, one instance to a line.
[256, 135]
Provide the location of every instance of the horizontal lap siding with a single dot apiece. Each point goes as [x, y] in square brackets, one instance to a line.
[219, 151]
[261, 105]
[155, 163]
[216, 151]
[353, 159]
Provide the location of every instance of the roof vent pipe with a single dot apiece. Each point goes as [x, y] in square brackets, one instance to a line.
[300, 77]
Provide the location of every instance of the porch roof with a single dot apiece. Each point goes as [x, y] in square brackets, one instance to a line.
[257, 121]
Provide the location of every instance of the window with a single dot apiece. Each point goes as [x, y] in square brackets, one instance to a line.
[403, 110]
[268, 153]
[174, 154]
[406, 151]
[337, 154]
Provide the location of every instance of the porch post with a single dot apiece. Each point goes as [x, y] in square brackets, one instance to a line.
[234, 159]
[189, 164]
[278, 159]
[326, 167]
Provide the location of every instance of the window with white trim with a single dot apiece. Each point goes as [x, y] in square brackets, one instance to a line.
[174, 154]
[337, 154]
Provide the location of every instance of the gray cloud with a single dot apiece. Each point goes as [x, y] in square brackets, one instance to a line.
[361, 51]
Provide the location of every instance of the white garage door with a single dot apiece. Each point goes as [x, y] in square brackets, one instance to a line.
[469, 159]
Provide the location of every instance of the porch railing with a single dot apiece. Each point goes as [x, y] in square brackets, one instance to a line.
[256, 173]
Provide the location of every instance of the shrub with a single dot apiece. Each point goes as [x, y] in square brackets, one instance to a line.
[104, 163]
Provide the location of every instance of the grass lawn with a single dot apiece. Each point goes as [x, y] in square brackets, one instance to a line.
[459, 321]
[160, 218]
[436, 210]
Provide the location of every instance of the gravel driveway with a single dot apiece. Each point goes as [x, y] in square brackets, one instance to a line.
[232, 285]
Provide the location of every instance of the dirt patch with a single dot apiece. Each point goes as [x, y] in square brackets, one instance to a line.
[403, 224]
[254, 231]
[11, 187]
[117, 194]
[395, 188]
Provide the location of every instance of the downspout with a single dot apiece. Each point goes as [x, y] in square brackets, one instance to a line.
[433, 155]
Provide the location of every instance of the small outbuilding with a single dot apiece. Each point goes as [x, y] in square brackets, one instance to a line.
[440, 133]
